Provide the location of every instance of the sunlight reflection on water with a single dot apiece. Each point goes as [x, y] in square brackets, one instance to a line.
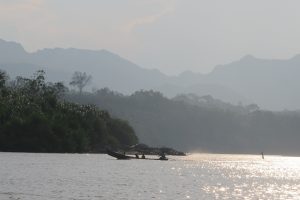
[197, 176]
[249, 176]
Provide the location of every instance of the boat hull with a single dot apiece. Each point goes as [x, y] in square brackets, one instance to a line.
[120, 156]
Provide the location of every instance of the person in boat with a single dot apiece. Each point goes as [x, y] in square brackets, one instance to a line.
[162, 156]
[143, 156]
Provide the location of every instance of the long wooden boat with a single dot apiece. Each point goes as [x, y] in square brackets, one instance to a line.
[120, 156]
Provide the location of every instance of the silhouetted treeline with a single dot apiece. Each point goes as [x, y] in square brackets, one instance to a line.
[184, 124]
[33, 118]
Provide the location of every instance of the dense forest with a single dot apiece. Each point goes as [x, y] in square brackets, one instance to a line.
[35, 118]
[189, 122]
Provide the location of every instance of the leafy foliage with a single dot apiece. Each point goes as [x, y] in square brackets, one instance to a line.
[34, 119]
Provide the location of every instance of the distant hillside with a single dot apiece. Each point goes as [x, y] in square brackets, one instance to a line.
[208, 101]
[272, 84]
[107, 69]
[190, 122]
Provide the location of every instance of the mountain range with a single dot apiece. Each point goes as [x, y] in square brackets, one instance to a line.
[271, 84]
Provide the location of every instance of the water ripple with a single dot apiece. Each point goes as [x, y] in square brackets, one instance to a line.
[198, 176]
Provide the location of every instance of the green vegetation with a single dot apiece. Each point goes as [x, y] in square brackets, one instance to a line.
[33, 118]
[189, 123]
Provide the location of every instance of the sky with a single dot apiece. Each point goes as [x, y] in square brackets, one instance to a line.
[170, 35]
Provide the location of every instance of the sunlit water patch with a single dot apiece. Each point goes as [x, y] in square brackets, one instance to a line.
[197, 176]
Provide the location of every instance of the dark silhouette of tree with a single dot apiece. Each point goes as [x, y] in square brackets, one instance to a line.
[3, 78]
[80, 80]
[252, 107]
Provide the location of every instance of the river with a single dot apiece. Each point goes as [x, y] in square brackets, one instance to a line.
[27, 176]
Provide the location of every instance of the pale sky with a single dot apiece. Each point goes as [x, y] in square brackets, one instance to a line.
[169, 35]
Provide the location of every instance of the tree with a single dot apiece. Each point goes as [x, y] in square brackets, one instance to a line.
[252, 107]
[3, 78]
[80, 80]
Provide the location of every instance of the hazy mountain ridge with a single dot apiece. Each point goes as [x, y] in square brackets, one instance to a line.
[108, 69]
[272, 84]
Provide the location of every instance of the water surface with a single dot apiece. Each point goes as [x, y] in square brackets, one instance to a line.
[26, 176]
